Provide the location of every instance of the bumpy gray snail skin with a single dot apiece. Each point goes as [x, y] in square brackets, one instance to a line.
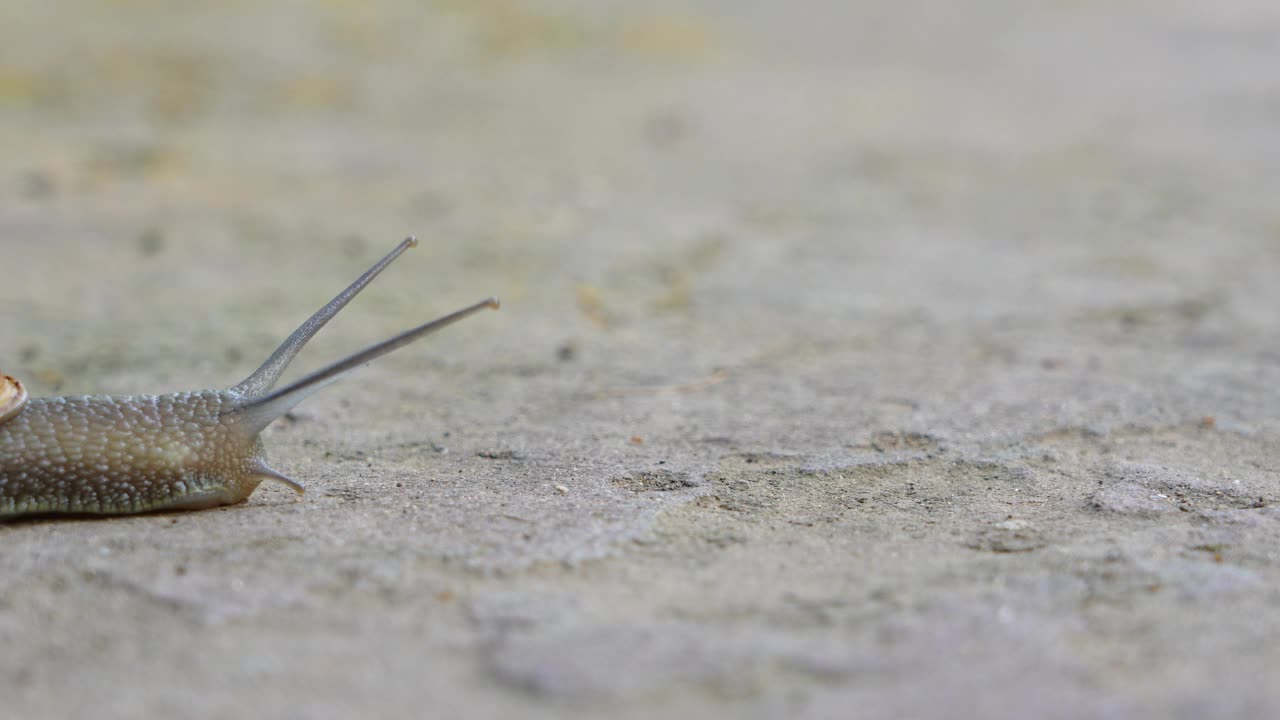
[103, 455]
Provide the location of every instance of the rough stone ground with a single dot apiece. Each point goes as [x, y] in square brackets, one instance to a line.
[856, 361]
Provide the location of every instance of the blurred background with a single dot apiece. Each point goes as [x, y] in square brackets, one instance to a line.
[698, 184]
[668, 168]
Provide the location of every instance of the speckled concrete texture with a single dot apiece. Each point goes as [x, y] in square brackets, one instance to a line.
[856, 359]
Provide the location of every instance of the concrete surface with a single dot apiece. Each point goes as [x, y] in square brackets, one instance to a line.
[855, 361]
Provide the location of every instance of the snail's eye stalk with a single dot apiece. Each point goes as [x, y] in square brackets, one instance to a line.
[258, 412]
[265, 377]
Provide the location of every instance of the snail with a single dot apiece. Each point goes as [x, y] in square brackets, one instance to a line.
[108, 455]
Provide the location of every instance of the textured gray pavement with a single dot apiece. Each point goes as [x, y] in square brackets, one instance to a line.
[854, 362]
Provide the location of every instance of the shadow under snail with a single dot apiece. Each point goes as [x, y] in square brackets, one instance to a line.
[107, 455]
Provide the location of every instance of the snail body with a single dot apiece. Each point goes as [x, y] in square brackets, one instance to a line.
[108, 455]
